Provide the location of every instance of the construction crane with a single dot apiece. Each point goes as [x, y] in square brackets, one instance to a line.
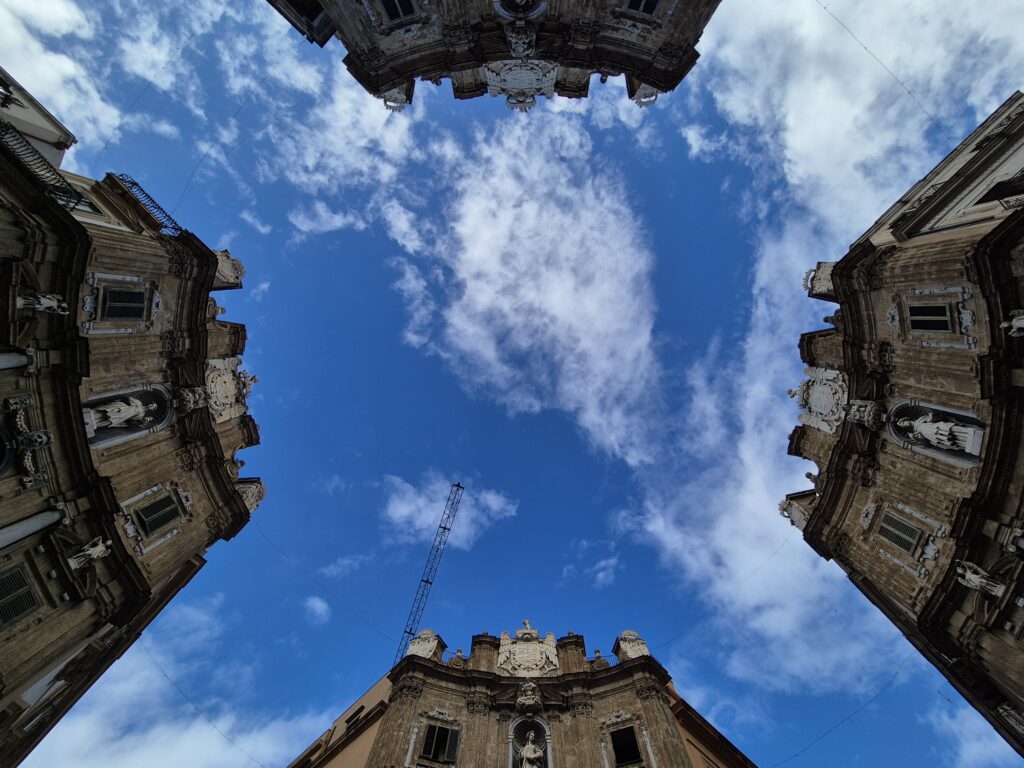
[412, 625]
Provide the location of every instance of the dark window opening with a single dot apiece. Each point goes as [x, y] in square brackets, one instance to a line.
[930, 317]
[895, 531]
[440, 744]
[625, 747]
[122, 304]
[643, 6]
[1004, 189]
[16, 597]
[157, 514]
[398, 9]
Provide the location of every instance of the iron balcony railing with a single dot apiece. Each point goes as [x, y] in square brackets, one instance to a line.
[56, 185]
[168, 226]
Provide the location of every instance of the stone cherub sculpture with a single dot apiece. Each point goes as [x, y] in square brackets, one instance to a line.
[531, 756]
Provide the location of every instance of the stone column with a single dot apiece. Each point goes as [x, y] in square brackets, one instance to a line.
[659, 735]
[13, 360]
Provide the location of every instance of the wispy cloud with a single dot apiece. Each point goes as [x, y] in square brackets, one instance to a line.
[318, 219]
[345, 566]
[972, 741]
[412, 512]
[318, 612]
[260, 290]
[250, 218]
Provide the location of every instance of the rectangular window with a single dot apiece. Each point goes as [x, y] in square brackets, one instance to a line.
[123, 304]
[440, 744]
[625, 747]
[398, 9]
[157, 514]
[16, 596]
[895, 531]
[930, 317]
[643, 6]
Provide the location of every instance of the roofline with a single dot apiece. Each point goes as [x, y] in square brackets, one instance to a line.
[71, 138]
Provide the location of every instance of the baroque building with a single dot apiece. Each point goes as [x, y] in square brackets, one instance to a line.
[912, 412]
[517, 49]
[523, 700]
[122, 411]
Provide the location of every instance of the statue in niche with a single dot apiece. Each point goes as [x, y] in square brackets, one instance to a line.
[44, 302]
[946, 435]
[122, 413]
[976, 577]
[531, 756]
[94, 550]
[1015, 325]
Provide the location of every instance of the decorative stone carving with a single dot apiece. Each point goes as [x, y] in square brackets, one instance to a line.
[407, 688]
[631, 646]
[975, 577]
[478, 703]
[793, 512]
[945, 435]
[870, 413]
[581, 704]
[528, 702]
[646, 95]
[425, 644]
[192, 398]
[227, 388]
[648, 689]
[229, 270]
[620, 716]
[437, 713]
[252, 492]
[44, 302]
[94, 550]
[521, 82]
[818, 281]
[599, 662]
[867, 515]
[531, 755]
[126, 412]
[521, 39]
[395, 100]
[823, 397]
[527, 655]
[458, 661]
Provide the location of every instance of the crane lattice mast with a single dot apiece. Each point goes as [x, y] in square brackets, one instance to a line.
[412, 625]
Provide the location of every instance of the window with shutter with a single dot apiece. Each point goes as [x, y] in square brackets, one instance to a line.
[17, 599]
[898, 532]
[643, 6]
[157, 514]
[398, 9]
[123, 304]
[625, 747]
[440, 744]
[930, 317]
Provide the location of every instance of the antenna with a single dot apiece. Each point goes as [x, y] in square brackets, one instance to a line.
[412, 624]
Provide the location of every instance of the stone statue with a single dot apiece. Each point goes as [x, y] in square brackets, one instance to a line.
[975, 577]
[531, 756]
[947, 435]
[94, 550]
[44, 302]
[119, 413]
[1015, 325]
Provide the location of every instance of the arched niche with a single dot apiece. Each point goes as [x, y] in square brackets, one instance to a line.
[518, 736]
[151, 406]
[913, 410]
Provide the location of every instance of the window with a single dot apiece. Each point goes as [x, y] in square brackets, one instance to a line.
[157, 514]
[16, 596]
[123, 304]
[625, 747]
[930, 317]
[398, 9]
[895, 531]
[643, 6]
[440, 744]
[1004, 189]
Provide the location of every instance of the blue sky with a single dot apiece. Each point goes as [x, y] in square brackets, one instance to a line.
[587, 314]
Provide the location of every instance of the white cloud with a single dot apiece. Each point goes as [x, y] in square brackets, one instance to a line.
[318, 612]
[546, 283]
[419, 302]
[595, 560]
[402, 226]
[972, 741]
[142, 122]
[250, 218]
[412, 513]
[145, 721]
[318, 219]
[259, 292]
[345, 566]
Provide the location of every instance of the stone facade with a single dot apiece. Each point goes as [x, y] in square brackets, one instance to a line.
[519, 50]
[912, 412]
[523, 700]
[122, 409]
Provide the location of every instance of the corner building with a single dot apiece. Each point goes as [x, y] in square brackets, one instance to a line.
[516, 49]
[913, 410]
[122, 412]
[523, 700]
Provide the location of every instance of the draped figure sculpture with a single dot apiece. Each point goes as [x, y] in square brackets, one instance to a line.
[122, 413]
[531, 756]
[946, 435]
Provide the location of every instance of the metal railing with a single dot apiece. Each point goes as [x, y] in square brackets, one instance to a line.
[168, 226]
[56, 186]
